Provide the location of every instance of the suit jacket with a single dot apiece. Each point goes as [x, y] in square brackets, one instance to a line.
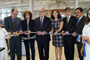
[8, 24]
[70, 27]
[24, 26]
[71, 24]
[80, 25]
[46, 26]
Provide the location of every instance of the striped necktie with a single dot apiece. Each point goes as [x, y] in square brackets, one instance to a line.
[14, 25]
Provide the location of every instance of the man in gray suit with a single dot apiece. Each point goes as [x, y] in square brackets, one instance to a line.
[13, 25]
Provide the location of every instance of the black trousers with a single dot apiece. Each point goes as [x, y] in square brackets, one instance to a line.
[15, 44]
[30, 44]
[79, 46]
[69, 47]
[43, 48]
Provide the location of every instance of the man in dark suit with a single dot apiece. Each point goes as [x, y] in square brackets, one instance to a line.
[13, 25]
[79, 27]
[42, 24]
[69, 27]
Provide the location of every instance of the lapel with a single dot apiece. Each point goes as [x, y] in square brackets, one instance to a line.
[44, 20]
[39, 23]
[69, 20]
[16, 23]
[11, 22]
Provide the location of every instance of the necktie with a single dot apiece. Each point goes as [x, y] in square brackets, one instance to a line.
[77, 22]
[41, 21]
[14, 25]
[67, 19]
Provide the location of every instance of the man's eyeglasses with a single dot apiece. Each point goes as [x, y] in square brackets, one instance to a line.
[77, 12]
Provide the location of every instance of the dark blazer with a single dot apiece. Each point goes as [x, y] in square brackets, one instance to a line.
[45, 27]
[24, 26]
[80, 25]
[71, 24]
[8, 24]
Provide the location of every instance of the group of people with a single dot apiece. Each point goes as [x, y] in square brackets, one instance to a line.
[70, 24]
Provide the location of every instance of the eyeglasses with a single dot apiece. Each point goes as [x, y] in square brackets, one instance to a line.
[77, 12]
[55, 13]
[41, 11]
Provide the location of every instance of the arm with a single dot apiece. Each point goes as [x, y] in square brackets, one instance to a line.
[6, 25]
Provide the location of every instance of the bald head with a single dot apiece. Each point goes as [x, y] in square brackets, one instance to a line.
[14, 13]
[41, 12]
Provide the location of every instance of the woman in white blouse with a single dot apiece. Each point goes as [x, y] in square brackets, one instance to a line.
[86, 35]
[4, 53]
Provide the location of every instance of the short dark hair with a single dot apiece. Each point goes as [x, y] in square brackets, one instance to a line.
[13, 10]
[59, 16]
[67, 9]
[79, 8]
[24, 14]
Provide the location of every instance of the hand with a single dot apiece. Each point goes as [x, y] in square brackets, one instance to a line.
[39, 32]
[9, 33]
[29, 32]
[43, 33]
[55, 33]
[85, 38]
[14, 33]
[66, 33]
[21, 32]
[73, 34]
[63, 32]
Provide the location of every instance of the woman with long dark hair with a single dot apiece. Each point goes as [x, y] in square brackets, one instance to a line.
[86, 35]
[57, 40]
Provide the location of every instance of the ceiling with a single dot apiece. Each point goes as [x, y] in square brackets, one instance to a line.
[52, 3]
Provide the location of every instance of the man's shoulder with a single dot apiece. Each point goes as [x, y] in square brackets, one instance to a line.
[8, 17]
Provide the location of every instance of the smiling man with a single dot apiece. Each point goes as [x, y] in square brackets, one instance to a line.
[79, 26]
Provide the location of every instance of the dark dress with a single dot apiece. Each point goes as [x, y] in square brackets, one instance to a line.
[58, 39]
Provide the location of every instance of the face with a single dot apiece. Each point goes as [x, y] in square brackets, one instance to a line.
[78, 13]
[41, 12]
[27, 16]
[89, 14]
[55, 14]
[14, 13]
[68, 13]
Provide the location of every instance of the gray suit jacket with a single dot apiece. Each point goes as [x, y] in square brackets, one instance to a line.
[8, 24]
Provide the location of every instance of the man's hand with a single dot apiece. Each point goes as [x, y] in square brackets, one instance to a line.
[9, 33]
[14, 33]
[39, 32]
[73, 34]
[21, 32]
[43, 33]
[66, 33]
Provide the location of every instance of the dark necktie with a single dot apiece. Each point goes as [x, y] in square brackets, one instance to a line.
[67, 19]
[41, 21]
[14, 25]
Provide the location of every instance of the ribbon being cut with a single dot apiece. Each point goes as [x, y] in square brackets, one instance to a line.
[83, 52]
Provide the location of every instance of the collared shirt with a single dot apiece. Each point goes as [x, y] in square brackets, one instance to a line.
[69, 18]
[13, 18]
[81, 17]
[42, 19]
